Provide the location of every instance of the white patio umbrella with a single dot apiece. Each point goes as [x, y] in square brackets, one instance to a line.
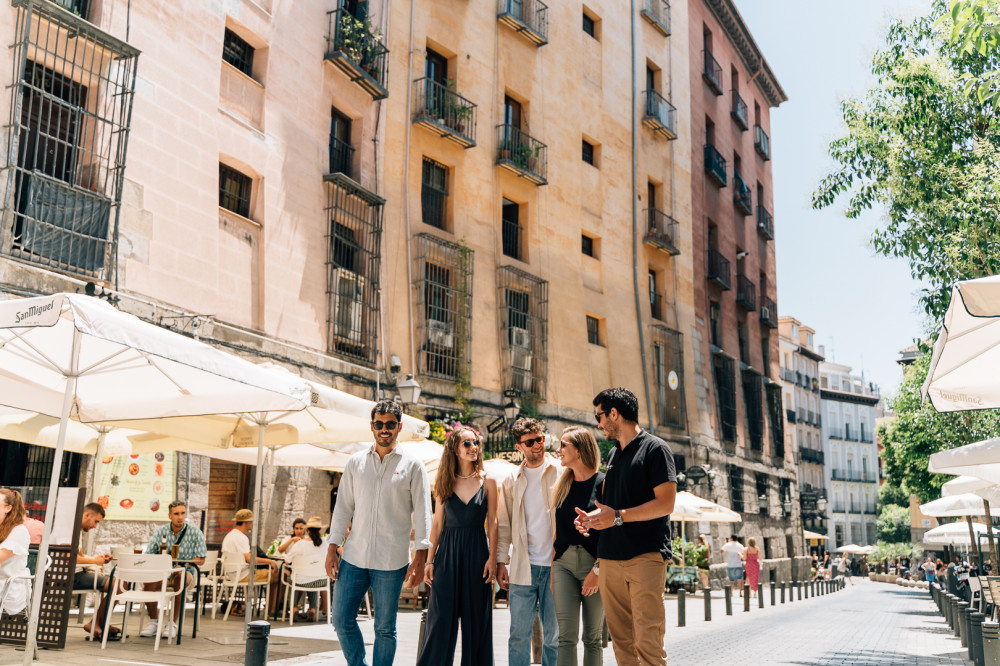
[853, 549]
[952, 534]
[964, 484]
[980, 460]
[814, 536]
[689, 508]
[71, 355]
[955, 506]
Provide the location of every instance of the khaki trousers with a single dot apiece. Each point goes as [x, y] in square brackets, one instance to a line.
[632, 592]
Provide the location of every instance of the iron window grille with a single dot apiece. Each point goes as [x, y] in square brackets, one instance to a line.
[444, 304]
[735, 476]
[234, 190]
[724, 371]
[353, 257]
[434, 193]
[593, 330]
[510, 229]
[753, 404]
[668, 372]
[30, 465]
[237, 52]
[588, 152]
[523, 313]
[774, 411]
[66, 141]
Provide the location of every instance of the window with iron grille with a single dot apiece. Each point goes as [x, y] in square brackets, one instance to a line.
[523, 319]
[70, 109]
[237, 52]
[444, 293]
[668, 372]
[776, 416]
[593, 330]
[735, 475]
[30, 465]
[588, 152]
[354, 255]
[724, 371]
[587, 245]
[434, 193]
[234, 190]
[511, 229]
[588, 26]
[752, 404]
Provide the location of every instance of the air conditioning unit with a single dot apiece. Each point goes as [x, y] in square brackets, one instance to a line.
[440, 333]
[347, 300]
[521, 360]
[520, 338]
[765, 312]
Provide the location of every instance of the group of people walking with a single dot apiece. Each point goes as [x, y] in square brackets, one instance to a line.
[566, 546]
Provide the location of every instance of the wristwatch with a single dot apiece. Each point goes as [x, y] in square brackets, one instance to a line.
[619, 521]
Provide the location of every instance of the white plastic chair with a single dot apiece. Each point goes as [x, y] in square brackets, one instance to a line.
[23, 578]
[976, 587]
[209, 573]
[234, 569]
[306, 569]
[85, 593]
[135, 570]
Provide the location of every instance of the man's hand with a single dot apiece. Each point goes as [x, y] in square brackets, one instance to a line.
[600, 518]
[502, 576]
[332, 562]
[415, 574]
[590, 584]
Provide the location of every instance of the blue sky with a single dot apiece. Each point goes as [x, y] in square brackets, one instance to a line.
[863, 306]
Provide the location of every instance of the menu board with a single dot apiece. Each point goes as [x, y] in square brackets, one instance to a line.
[139, 486]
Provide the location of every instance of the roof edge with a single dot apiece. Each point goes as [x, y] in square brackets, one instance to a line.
[739, 34]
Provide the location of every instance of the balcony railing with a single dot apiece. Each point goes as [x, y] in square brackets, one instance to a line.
[712, 72]
[761, 142]
[358, 52]
[835, 433]
[746, 293]
[522, 154]
[662, 231]
[853, 476]
[741, 195]
[768, 312]
[657, 12]
[850, 436]
[718, 269]
[659, 114]
[739, 112]
[715, 165]
[788, 375]
[765, 223]
[443, 111]
[341, 157]
[866, 438]
[530, 18]
[811, 456]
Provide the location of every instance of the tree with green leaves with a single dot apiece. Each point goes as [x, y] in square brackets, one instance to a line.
[893, 524]
[892, 494]
[928, 153]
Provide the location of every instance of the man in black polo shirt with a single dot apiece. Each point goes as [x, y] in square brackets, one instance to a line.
[639, 489]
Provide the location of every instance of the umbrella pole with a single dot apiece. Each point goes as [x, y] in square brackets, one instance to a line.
[255, 526]
[30, 646]
[972, 540]
[989, 531]
[95, 480]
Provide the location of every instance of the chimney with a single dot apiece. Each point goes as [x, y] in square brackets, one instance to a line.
[822, 350]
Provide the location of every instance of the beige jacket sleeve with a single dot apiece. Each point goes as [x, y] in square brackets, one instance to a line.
[504, 520]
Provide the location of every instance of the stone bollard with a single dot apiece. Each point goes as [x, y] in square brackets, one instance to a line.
[681, 606]
[256, 649]
[746, 598]
[991, 644]
[708, 604]
[976, 637]
[729, 600]
[760, 595]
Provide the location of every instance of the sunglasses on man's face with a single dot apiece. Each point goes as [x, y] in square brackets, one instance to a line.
[598, 415]
[469, 443]
[534, 441]
[388, 425]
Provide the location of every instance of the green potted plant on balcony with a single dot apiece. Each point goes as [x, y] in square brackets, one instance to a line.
[520, 153]
[505, 149]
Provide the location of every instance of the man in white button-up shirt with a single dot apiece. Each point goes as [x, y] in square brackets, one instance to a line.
[383, 494]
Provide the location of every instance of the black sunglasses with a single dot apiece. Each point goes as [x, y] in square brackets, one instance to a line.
[469, 443]
[533, 441]
[388, 425]
[598, 415]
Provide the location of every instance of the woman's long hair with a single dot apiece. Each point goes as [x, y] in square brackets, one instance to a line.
[444, 484]
[16, 516]
[313, 534]
[590, 456]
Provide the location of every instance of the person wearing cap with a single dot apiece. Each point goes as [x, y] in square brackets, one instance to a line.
[311, 545]
[237, 541]
[383, 495]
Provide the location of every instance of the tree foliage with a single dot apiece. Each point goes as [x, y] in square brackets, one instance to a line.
[918, 431]
[921, 148]
[893, 524]
[975, 29]
[892, 494]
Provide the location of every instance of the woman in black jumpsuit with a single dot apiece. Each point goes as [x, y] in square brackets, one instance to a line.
[461, 566]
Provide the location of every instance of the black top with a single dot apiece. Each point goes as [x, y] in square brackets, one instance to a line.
[633, 472]
[581, 494]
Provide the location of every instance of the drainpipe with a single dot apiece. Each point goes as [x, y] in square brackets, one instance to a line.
[635, 238]
[406, 194]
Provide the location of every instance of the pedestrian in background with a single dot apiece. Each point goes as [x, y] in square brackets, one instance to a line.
[574, 565]
[734, 562]
[751, 555]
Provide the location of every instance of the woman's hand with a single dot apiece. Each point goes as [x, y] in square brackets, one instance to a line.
[490, 570]
[590, 584]
[429, 573]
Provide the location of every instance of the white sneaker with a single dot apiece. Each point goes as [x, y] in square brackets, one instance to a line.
[169, 630]
[150, 630]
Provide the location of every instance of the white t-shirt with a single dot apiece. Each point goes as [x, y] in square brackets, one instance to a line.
[17, 542]
[306, 547]
[733, 549]
[236, 542]
[837, 562]
[536, 518]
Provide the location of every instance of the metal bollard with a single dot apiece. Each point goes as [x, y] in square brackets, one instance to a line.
[960, 607]
[708, 605]
[681, 606]
[991, 644]
[772, 593]
[949, 605]
[782, 591]
[799, 586]
[791, 591]
[746, 598]
[256, 650]
[729, 600]
[976, 637]
[760, 595]
[963, 620]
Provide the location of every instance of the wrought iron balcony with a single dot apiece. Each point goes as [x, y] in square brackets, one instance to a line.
[530, 18]
[866, 438]
[742, 198]
[761, 142]
[657, 12]
[443, 111]
[341, 157]
[853, 476]
[521, 154]
[712, 72]
[715, 165]
[849, 436]
[354, 48]
[768, 312]
[718, 269]
[661, 232]
[811, 456]
[739, 112]
[765, 223]
[746, 293]
[835, 433]
[659, 114]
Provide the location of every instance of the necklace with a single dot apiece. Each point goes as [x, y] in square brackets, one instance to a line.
[459, 476]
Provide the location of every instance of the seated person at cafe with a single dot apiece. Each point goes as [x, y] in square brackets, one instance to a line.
[312, 545]
[84, 576]
[237, 541]
[298, 534]
[35, 528]
[190, 544]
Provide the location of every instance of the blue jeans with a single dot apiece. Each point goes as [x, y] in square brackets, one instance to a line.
[351, 587]
[525, 601]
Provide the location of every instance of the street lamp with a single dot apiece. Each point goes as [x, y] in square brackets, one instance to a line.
[762, 502]
[821, 505]
[409, 390]
[787, 506]
[511, 410]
